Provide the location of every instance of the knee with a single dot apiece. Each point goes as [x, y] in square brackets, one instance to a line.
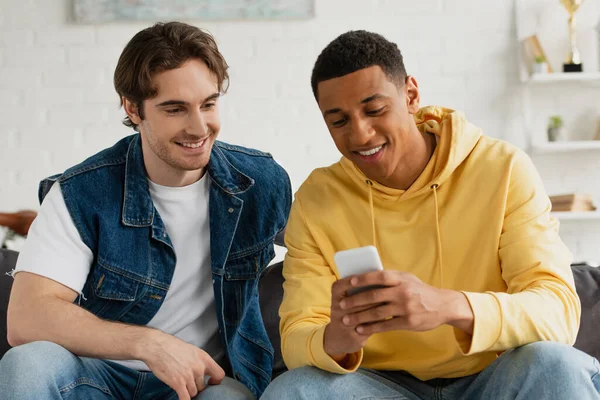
[300, 383]
[558, 361]
[32, 361]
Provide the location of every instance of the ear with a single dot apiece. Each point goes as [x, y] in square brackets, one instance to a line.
[132, 111]
[413, 97]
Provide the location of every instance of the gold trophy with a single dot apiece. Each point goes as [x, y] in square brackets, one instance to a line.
[573, 62]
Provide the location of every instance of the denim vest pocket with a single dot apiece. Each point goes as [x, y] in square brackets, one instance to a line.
[248, 265]
[112, 286]
[116, 292]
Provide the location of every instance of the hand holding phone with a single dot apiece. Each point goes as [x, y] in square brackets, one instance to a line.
[358, 261]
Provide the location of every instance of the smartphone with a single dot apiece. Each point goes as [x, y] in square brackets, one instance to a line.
[358, 261]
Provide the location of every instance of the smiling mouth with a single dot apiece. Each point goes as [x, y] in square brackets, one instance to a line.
[370, 152]
[192, 145]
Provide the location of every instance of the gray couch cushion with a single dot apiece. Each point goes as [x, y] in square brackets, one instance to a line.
[270, 290]
[587, 280]
[8, 259]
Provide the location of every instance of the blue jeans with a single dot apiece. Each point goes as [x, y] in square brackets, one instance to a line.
[44, 370]
[542, 370]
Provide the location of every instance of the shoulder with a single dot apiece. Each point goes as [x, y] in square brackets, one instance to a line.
[500, 161]
[499, 150]
[115, 155]
[240, 151]
[257, 165]
[105, 166]
[323, 183]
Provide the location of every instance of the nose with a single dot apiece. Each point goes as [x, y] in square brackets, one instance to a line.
[197, 124]
[361, 131]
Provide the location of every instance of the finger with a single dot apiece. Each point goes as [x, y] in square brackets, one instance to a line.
[383, 278]
[215, 372]
[191, 385]
[353, 310]
[373, 314]
[369, 299]
[182, 393]
[393, 324]
[340, 287]
[200, 382]
[192, 389]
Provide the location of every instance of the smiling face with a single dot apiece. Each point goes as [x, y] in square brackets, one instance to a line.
[370, 120]
[179, 125]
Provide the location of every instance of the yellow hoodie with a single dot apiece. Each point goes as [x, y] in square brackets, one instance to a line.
[476, 220]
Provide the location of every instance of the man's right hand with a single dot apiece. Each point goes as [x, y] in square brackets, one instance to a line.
[180, 365]
[340, 339]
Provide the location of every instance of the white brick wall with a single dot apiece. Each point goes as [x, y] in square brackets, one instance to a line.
[57, 103]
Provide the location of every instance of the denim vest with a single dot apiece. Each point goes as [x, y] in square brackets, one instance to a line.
[109, 202]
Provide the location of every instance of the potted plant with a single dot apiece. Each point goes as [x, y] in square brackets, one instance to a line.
[540, 66]
[556, 130]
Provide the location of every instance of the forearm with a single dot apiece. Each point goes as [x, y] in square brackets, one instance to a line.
[504, 321]
[309, 337]
[64, 323]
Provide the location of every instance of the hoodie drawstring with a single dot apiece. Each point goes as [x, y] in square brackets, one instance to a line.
[439, 235]
[370, 184]
[437, 225]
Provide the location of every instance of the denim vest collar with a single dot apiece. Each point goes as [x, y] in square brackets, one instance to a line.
[138, 209]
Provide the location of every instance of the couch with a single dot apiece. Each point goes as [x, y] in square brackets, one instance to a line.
[587, 281]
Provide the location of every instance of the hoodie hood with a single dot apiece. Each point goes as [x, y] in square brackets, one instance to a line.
[456, 138]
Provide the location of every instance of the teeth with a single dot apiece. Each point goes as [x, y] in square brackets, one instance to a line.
[370, 152]
[192, 145]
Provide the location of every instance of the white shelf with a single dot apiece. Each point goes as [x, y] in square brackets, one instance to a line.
[567, 146]
[575, 77]
[576, 215]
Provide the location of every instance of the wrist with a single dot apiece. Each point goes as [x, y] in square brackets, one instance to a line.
[335, 355]
[457, 311]
[144, 342]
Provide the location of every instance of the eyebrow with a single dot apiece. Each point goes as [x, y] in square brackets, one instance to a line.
[371, 98]
[182, 103]
[363, 101]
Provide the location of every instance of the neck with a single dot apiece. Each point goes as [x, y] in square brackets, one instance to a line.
[414, 162]
[164, 174]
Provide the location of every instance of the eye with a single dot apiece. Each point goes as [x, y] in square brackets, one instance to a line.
[173, 110]
[209, 106]
[375, 112]
[338, 123]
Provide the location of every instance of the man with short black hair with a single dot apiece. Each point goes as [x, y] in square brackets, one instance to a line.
[476, 300]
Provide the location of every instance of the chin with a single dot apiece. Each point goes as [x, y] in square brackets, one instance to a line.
[192, 167]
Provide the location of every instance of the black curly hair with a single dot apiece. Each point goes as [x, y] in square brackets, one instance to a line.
[356, 50]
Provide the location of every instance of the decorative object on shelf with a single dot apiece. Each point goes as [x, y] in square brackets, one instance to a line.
[572, 202]
[556, 129]
[573, 62]
[94, 11]
[540, 66]
[536, 53]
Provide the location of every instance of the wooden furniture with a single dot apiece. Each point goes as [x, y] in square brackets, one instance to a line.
[19, 222]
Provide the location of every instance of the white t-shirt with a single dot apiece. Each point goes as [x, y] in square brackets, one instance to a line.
[54, 249]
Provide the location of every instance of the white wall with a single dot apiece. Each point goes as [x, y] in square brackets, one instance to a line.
[57, 103]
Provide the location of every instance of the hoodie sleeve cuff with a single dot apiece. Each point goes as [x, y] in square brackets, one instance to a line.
[325, 362]
[487, 324]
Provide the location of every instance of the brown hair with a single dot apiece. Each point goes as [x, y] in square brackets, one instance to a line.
[162, 47]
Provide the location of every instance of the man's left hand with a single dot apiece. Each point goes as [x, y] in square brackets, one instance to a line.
[405, 303]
